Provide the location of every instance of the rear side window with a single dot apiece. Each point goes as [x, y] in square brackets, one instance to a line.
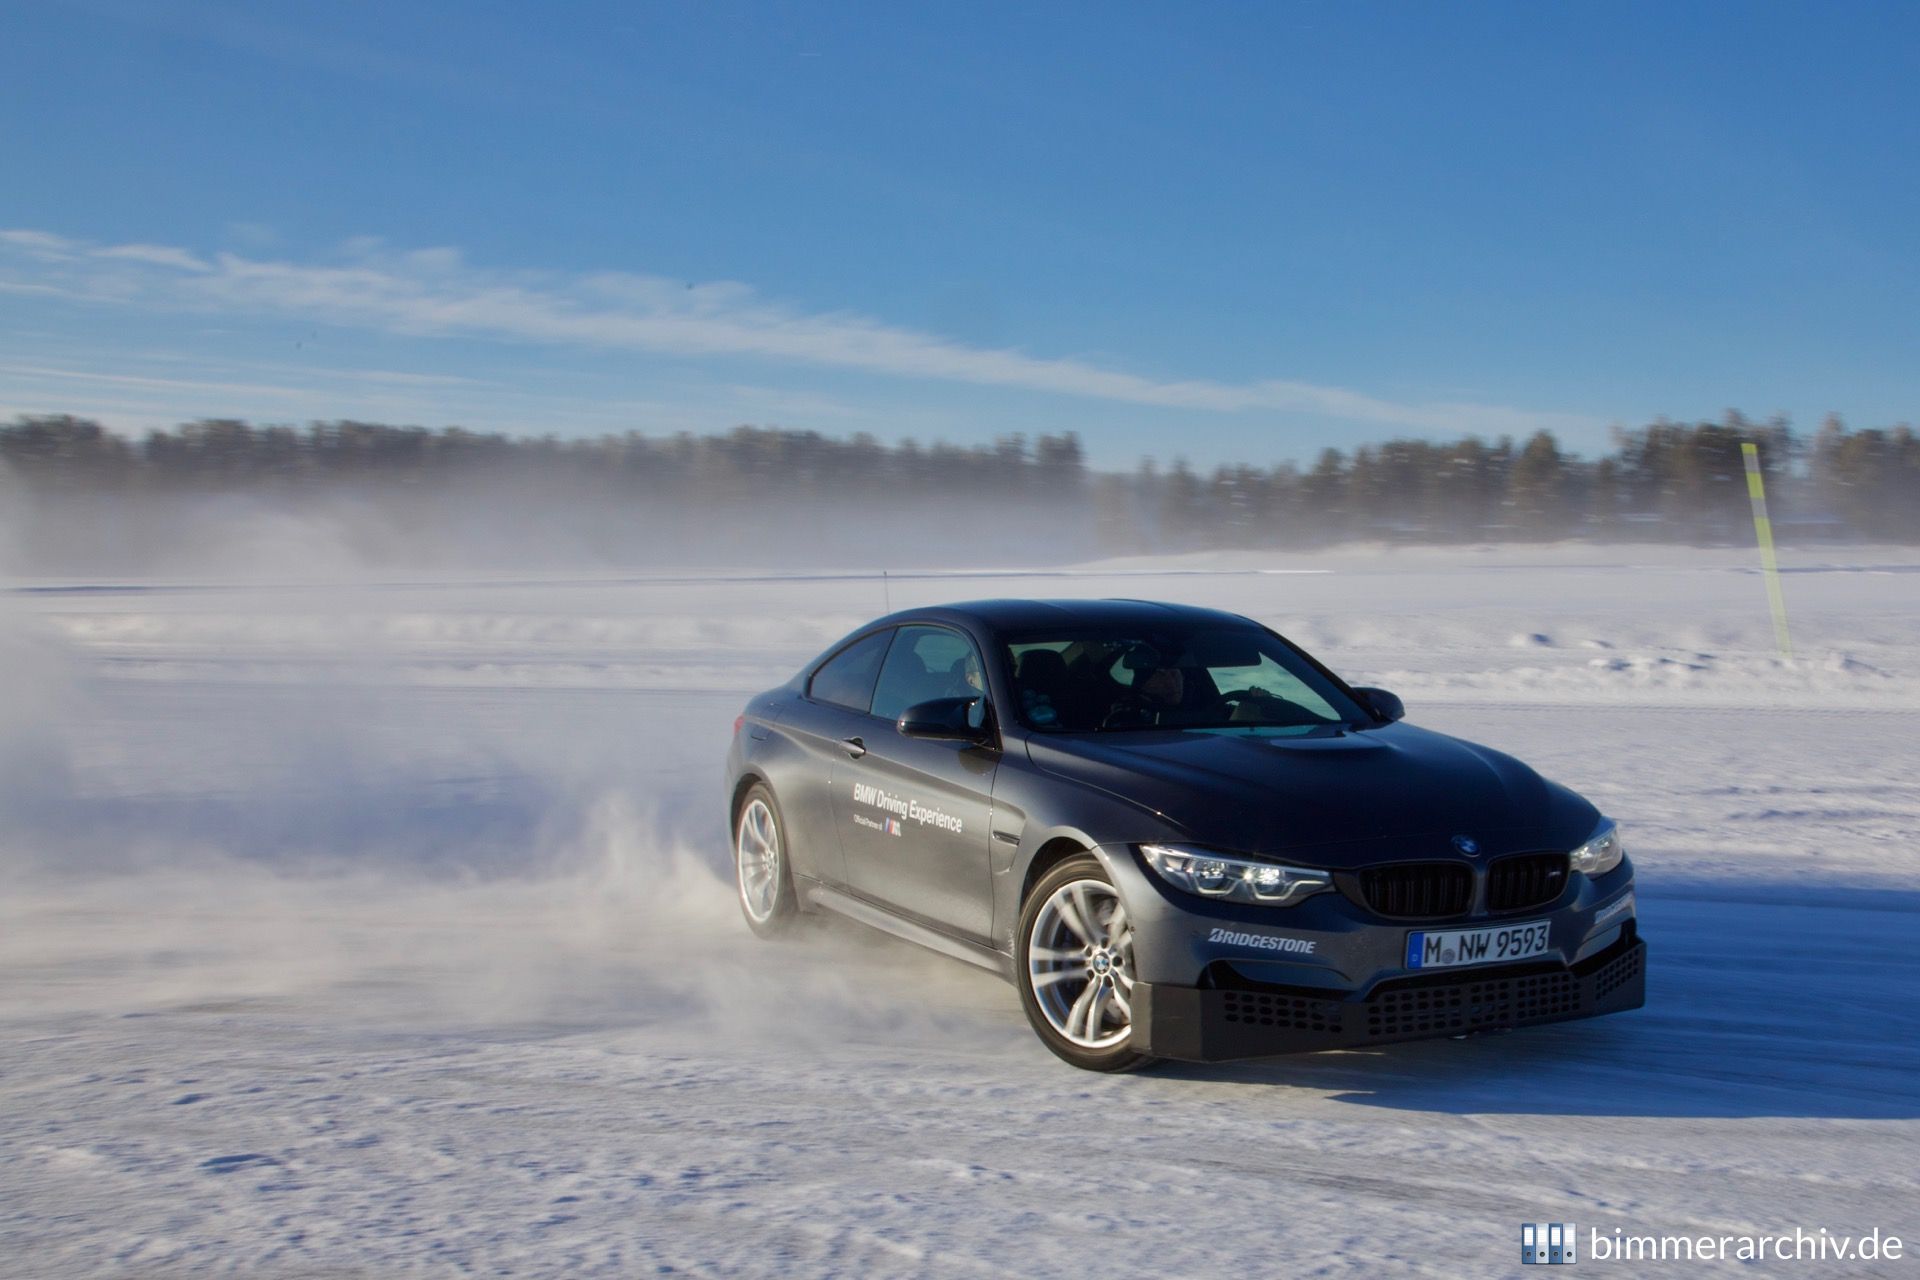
[846, 679]
[927, 663]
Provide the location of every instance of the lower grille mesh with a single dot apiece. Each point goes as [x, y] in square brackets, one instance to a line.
[1471, 1006]
[1619, 973]
[1295, 1013]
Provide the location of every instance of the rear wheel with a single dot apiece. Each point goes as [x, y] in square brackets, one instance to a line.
[1076, 967]
[760, 864]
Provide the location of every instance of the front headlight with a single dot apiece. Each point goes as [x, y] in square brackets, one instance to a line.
[1602, 851]
[1211, 875]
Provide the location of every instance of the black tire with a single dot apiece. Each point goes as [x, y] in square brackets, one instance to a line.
[1083, 870]
[769, 909]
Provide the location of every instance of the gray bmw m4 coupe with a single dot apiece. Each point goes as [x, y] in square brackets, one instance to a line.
[1176, 833]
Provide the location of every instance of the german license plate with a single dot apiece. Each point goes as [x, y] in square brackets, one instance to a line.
[1451, 948]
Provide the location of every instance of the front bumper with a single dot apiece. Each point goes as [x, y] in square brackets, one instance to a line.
[1258, 1020]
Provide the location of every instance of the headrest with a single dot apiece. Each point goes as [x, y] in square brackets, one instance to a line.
[1037, 665]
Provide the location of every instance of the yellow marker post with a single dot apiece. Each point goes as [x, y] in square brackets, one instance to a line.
[1769, 563]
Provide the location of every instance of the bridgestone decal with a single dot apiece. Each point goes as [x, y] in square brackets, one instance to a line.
[1263, 941]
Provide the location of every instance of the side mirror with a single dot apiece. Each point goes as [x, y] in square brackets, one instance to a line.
[1385, 705]
[954, 719]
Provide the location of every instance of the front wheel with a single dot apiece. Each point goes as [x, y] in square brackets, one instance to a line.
[1076, 967]
[760, 864]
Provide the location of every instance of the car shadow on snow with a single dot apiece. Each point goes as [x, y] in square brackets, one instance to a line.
[1763, 999]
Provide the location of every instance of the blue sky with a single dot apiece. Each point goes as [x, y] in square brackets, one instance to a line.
[1219, 232]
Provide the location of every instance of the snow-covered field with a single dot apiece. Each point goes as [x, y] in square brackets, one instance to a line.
[377, 928]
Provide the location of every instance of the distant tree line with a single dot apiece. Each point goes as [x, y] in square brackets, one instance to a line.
[1663, 481]
[68, 454]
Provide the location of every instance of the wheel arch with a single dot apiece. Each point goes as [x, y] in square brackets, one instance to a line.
[1049, 855]
[1056, 842]
[749, 778]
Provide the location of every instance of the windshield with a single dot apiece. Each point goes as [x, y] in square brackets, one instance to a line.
[1202, 677]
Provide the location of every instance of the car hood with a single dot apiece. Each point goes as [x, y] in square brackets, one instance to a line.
[1396, 791]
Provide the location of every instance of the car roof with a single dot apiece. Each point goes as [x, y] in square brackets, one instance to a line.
[1024, 615]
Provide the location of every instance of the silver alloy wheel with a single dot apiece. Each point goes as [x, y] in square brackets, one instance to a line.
[1080, 964]
[757, 860]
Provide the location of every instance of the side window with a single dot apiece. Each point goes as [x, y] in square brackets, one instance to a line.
[927, 663]
[846, 679]
[1040, 679]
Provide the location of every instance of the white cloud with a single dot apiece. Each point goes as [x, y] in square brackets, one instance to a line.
[434, 292]
[39, 244]
[302, 386]
[156, 255]
[252, 390]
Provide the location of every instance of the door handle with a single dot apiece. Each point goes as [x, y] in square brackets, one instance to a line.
[854, 746]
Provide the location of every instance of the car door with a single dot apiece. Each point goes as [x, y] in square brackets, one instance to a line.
[913, 813]
[829, 717]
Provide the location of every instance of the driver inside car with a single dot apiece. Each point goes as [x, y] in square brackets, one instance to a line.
[1164, 694]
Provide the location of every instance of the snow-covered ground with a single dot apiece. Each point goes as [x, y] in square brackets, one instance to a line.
[377, 928]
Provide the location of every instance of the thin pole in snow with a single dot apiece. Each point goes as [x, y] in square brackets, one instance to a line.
[886, 593]
[1769, 563]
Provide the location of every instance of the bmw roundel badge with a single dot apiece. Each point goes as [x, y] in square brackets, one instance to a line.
[1467, 845]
